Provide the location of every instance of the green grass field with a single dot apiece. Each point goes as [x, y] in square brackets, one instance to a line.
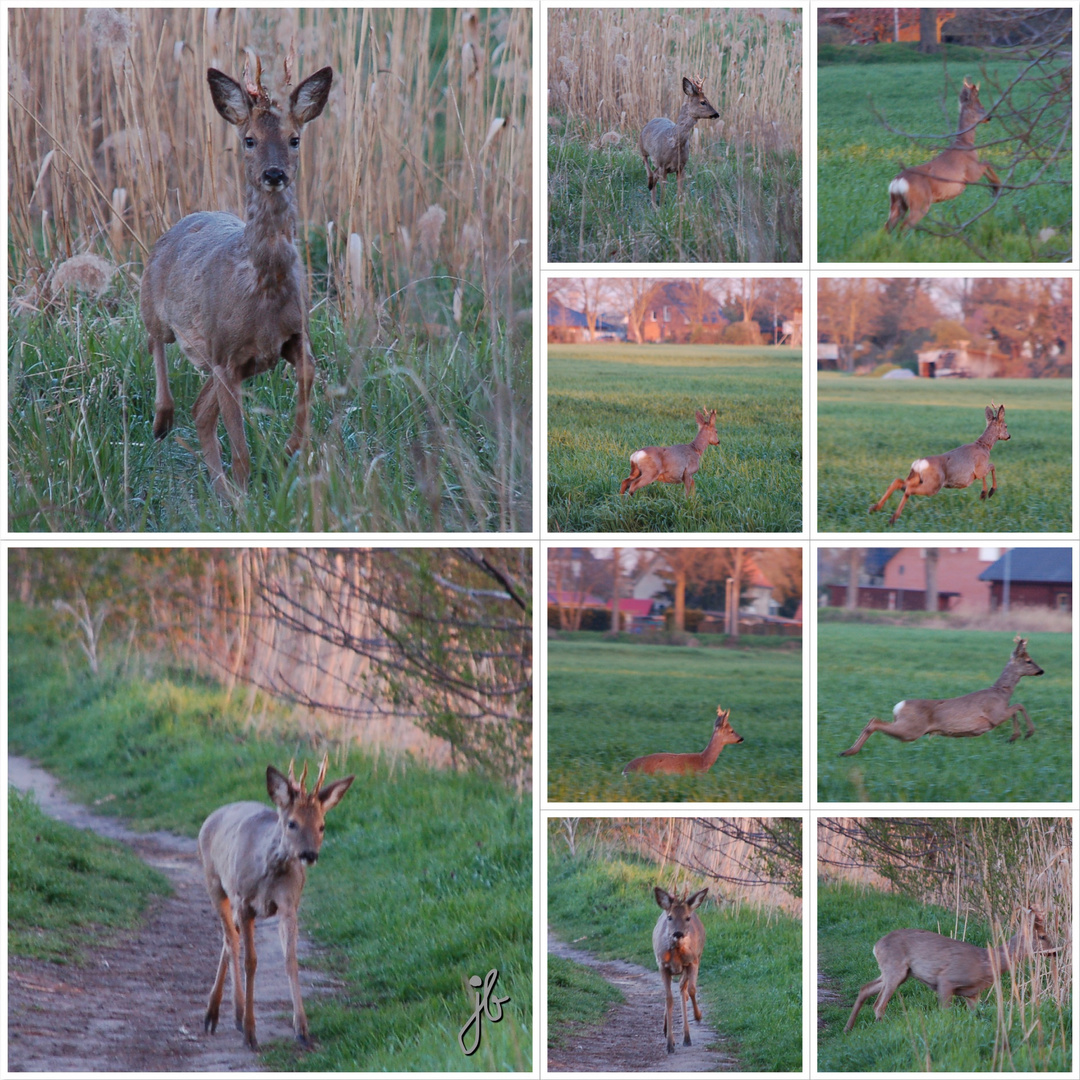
[864, 670]
[750, 980]
[870, 430]
[424, 881]
[577, 998]
[608, 703]
[418, 435]
[737, 205]
[916, 1035]
[858, 157]
[606, 401]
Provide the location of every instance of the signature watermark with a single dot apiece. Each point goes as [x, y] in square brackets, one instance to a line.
[485, 1003]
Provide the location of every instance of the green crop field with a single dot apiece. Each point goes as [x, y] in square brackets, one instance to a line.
[858, 157]
[870, 430]
[606, 401]
[608, 703]
[864, 670]
[916, 1035]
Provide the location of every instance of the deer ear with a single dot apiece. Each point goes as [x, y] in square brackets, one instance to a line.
[309, 98]
[331, 795]
[687, 86]
[229, 97]
[1001, 412]
[991, 415]
[662, 898]
[696, 899]
[278, 787]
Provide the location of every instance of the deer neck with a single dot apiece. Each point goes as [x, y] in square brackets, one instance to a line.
[701, 442]
[988, 437]
[1007, 680]
[966, 139]
[269, 233]
[684, 125]
[712, 751]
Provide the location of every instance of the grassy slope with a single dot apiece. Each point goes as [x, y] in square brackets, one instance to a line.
[857, 158]
[606, 401]
[916, 1035]
[427, 877]
[864, 670]
[68, 888]
[750, 981]
[870, 431]
[608, 703]
[577, 997]
[83, 456]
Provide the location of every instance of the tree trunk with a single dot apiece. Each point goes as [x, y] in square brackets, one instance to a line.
[928, 32]
[931, 555]
[680, 600]
[615, 581]
[855, 559]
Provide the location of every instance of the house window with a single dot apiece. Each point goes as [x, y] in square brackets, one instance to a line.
[652, 316]
[1063, 601]
[667, 314]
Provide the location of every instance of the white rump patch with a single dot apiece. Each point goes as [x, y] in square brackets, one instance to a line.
[637, 456]
[897, 707]
[898, 187]
[919, 466]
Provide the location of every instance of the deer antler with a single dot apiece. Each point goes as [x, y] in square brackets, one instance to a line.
[256, 89]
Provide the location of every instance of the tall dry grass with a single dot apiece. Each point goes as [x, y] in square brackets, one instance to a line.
[612, 69]
[422, 157]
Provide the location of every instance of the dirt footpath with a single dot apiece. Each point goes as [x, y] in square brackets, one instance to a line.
[631, 1039]
[137, 1005]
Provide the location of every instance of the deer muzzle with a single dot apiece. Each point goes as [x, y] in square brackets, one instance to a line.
[275, 179]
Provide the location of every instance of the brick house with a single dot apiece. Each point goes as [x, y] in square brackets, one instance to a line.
[1034, 577]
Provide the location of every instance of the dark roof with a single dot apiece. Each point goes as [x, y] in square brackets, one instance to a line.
[1033, 564]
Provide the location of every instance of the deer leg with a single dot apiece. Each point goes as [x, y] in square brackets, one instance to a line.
[250, 962]
[693, 991]
[889, 983]
[1016, 723]
[205, 413]
[945, 993]
[995, 183]
[635, 472]
[897, 729]
[868, 991]
[669, 1006]
[230, 401]
[297, 353]
[896, 485]
[287, 930]
[230, 944]
[688, 483]
[993, 482]
[684, 991]
[897, 206]
[163, 399]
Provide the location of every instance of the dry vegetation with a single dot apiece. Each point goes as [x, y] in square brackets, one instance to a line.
[610, 71]
[414, 191]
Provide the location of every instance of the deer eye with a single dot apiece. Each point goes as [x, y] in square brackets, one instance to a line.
[249, 142]
[294, 142]
[292, 825]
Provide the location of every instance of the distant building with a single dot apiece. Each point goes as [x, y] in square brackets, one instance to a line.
[1031, 577]
[958, 573]
[958, 361]
[678, 315]
[567, 325]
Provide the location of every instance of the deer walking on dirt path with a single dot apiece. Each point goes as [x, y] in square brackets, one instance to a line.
[672, 464]
[678, 941]
[683, 764]
[959, 468]
[949, 967]
[668, 144]
[960, 717]
[913, 191]
[255, 861]
[234, 293]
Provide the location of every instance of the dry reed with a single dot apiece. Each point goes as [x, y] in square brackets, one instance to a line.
[422, 159]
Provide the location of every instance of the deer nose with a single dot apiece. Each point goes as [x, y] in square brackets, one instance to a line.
[275, 177]
[309, 858]
[679, 935]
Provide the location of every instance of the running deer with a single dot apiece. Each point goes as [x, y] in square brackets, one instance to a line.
[959, 468]
[668, 144]
[234, 294]
[672, 464]
[947, 966]
[255, 862]
[678, 939]
[960, 717]
[684, 764]
[915, 190]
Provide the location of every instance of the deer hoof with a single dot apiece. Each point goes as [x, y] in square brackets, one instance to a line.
[1014, 737]
[210, 1023]
[686, 1041]
[163, 423]
[671, 1048]
[251, 1042]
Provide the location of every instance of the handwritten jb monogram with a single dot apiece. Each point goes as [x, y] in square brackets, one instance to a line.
[485, 1003]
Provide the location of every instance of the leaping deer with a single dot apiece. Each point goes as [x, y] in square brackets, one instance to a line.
[672, 464]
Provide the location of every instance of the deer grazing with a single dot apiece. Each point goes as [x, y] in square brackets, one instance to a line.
[678, 939]
[672, 464]
[959, 468]
[947, 966]
[668, 144]
[915, 190]
[683, 764]
[255, 862]
[960, 717]
[234, 293]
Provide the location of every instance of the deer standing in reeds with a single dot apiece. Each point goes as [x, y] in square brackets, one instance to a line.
[913, 191]
[949, 967]
[234, 293]
[668, 144]
[678, 940]
[255, 862]
[959, 468]
[684, 764]
[672, 464]
[960, 717]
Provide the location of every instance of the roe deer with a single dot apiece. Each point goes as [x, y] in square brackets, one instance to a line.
[234, 294]
[972, 714]
[669, 143]
[959, 468]
[678, 939]
[914, 190]
[682, 764]
[672, 464]
[948, 966]
[255, 859]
